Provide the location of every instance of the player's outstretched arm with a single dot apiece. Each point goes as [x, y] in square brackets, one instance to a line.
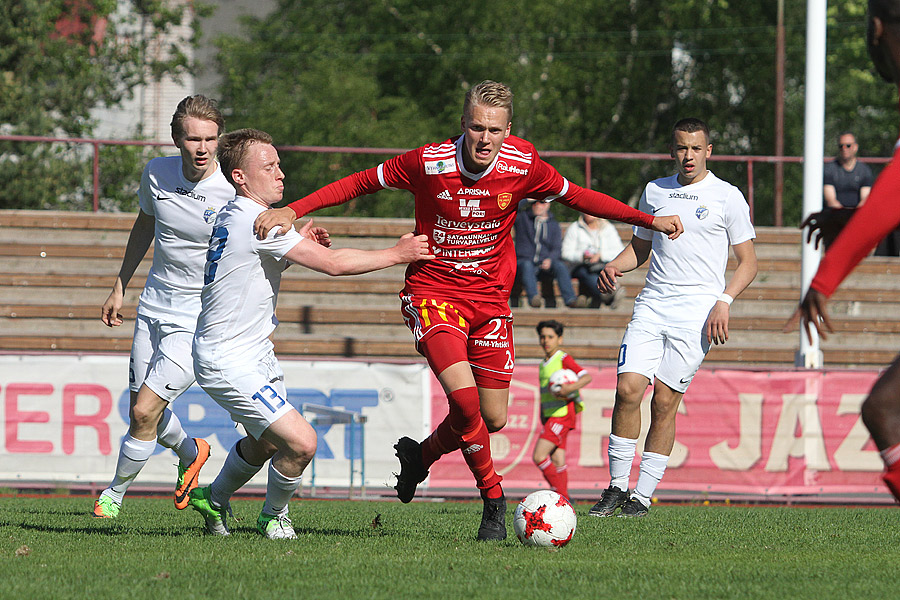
[744, 274]
[350, 261]
[139, 241]
[669, 225]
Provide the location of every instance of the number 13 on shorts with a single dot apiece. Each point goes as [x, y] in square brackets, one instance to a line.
[270, 398]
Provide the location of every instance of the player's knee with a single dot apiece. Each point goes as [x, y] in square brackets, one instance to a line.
[145, 416]
[303, 447]
[495, 423]
[628, 395]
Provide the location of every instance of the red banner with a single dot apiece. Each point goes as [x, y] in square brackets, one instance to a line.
[739, 432]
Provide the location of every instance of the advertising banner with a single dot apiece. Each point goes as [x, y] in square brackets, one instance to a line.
[741, 432]
[64, 418]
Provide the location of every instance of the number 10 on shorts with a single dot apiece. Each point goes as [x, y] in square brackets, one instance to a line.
[268, 396]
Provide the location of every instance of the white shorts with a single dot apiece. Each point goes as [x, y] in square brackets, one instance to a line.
[161, 358]
[671, 354]
[253, 394]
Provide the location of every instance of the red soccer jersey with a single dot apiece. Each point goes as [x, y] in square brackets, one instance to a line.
[869, 225]
[468, 216]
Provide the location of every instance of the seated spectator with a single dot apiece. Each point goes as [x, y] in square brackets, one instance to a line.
[538, 239]
[589, 244]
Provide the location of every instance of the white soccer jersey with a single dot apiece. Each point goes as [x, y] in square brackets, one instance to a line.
[687, 275]
[242, 277]
[184, 213]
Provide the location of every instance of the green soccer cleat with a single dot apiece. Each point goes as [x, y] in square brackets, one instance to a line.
[214, 516]
[105, 508]
[275, 527]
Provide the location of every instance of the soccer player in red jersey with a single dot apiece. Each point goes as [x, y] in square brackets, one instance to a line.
[466, 191]
[871, 222]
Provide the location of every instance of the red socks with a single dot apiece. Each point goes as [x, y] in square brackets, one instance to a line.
[557, 477]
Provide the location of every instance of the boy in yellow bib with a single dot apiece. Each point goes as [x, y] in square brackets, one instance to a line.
[559, 406]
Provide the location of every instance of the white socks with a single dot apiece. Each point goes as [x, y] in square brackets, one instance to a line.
[133, 455]
[279, 491]
[621, 456]
[234, 474]
[170, 434]
[653, 466]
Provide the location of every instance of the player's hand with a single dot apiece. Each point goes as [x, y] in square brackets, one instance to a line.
[826, 225]
[412, 248]
[812, 312]
[606, 280]
[274, 217]
[109, 312]
[670, 225]
[717, 323]
[316, 234]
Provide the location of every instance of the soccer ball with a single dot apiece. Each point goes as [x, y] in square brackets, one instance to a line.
[560, 377]
[544, 518]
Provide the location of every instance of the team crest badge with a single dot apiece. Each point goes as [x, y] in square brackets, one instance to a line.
[504, 199]
[702, 212]
[438, 235]
[209, 215]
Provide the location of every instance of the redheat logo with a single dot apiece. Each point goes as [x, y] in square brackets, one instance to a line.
[504, 167]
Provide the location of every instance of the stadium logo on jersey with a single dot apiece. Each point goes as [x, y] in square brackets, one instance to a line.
[464, 191]
[445, 195]
[470, 208]
[702, 212]
[683, 196]
[503, 200]
[439, 235]
[190, 194]
[436, 167]
[209, 215]
[503, 167]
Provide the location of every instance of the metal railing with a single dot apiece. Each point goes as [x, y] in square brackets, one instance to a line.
[748, 160]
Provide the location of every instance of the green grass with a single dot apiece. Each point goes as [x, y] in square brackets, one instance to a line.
[52, 548]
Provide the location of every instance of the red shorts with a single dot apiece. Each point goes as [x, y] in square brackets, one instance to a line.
[556, 429]
[486, 328]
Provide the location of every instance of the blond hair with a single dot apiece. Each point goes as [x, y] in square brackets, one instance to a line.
[490, 93]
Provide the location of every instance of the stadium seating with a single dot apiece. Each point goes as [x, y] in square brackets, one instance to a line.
[58, 267]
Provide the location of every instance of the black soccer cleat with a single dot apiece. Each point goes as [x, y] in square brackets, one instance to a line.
[611, 499]
[412, 471]
[634, 508]
[493, 520]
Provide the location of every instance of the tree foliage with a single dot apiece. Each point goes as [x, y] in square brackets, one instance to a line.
[391, 73]
[59, 60]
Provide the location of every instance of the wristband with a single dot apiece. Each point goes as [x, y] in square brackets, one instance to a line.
[726, 299]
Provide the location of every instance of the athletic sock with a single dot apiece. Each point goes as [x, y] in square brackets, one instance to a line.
[492, 493]
[621, 456]
[653, 466]
[562, 475]
[279, 490]
[441, 441]
[133, 455]
[170, 434]
[552, 475]
[891, 476]
[234, 474]
[476, 449]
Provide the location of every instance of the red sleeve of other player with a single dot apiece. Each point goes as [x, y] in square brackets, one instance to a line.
[872, 222]
[342, 190]
[601, 205]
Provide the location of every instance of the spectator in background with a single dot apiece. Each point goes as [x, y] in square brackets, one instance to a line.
[590, 243]
[538, 239]
[847, 180]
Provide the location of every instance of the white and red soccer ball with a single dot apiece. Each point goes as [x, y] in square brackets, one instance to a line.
[544, 518]
[558, 378]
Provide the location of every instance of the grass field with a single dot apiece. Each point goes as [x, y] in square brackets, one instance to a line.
[52, 548]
